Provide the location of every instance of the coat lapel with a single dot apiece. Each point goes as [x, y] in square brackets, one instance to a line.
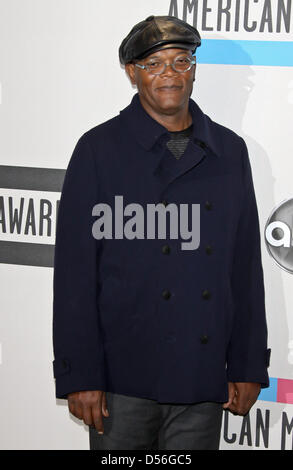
[169, 168]
[152, 136]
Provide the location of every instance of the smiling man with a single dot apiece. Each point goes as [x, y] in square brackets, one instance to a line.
[152, 342]
[163, 91]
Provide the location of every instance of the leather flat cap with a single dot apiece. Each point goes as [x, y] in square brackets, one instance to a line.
[155, 33]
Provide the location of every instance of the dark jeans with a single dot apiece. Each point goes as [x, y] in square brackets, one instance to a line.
[141, 423]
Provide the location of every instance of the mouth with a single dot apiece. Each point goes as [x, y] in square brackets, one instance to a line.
[170, 88]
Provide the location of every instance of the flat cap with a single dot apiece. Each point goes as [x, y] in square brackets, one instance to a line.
[155, 33]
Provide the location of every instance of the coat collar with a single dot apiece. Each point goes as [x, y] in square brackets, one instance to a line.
[148, 131]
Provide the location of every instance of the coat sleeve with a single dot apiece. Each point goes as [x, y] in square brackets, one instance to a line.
[77, 339]
[248, 356]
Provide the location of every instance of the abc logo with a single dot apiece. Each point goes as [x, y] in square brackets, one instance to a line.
[278, 235]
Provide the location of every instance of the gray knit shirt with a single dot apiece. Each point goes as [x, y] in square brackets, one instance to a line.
[178, 141]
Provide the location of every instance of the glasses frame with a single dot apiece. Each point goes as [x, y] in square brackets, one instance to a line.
[146, 67]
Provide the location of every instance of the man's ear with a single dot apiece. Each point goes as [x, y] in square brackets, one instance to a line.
[131, 73]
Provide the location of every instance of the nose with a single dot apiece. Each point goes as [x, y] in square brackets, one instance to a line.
[169, 70]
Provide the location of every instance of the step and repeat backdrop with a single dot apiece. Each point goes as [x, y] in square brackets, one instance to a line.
[60, 76]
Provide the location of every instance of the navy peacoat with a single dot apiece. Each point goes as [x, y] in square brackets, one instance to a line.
[143, 317]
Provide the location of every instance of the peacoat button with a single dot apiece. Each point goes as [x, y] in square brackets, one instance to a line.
[165, 202]
[208, 205]
[166, 249]
[201, 144]
[166, 294]
[64, 363]
[206, 294]
[204, 339]
[170, 339]
[209, 250]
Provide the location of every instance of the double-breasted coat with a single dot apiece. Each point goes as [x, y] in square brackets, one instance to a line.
[143, 317]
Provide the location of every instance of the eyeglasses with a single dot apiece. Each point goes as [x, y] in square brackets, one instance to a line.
[155, 66]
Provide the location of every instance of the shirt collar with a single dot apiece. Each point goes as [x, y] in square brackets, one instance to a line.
[148, 131]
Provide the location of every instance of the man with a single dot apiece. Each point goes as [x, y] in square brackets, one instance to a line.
[154, 337]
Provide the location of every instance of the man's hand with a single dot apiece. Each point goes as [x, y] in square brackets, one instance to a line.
[242, 396]
[89, 406]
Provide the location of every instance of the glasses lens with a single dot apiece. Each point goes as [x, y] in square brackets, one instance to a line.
[182, 64]
[155, 66]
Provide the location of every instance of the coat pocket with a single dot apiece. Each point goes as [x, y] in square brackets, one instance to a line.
[118, 309]
[229, 308]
